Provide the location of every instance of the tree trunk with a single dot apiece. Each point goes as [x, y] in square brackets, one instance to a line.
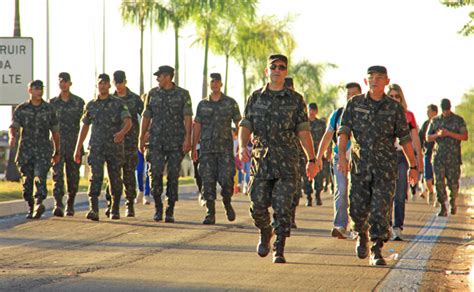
[204, 72]
[244, 74]
[176, 54]
[17, 24]
[226, 72]
[142, 28]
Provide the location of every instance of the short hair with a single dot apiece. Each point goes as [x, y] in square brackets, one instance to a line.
[313, 106]
[352, 85]
[433, 108]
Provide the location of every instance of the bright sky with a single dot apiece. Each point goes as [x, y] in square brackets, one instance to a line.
[415, 40]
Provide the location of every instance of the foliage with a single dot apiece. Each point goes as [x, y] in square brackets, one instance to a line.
[468, 28]
[465, 110]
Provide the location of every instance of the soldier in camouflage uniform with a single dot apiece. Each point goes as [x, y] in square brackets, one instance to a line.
[36, 118]
[447, 131]
[169, 110]
[69, 108]
[110, 122]
[373, 121]
[277, 118]
[213, 131]
[130, 144]
[318, 127]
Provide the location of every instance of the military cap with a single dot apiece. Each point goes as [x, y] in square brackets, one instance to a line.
[36, 84]
[275, 57]
[164, 69]
[313, 106]
[216, 76]
[64, 76]
[445, 104]
[377, 69]
[103, 77]
[289, 82]
[119, 76]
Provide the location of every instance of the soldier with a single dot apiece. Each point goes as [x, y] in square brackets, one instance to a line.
[318, 127]
[110, 120]
[373, 120]
[447, 131]
[213, 131]
[427, 153]
[36, 118]
[168, 107]
[276, 117]
[130, 144]
[69, 108]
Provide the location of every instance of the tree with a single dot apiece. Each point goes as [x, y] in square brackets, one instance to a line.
[468, 28]
[465, 109]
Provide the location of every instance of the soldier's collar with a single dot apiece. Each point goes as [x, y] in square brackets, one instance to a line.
[283, 92]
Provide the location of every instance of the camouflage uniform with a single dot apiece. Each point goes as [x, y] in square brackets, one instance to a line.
[216, 159]
[166, 109]
[106, 118]
[374, 125]
[447, 156]
[130, 146]
[35, 150]
[69, 115]
[299, 183]
[275, 118]
[318, 127]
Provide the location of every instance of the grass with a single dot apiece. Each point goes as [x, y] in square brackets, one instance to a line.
[12, 190]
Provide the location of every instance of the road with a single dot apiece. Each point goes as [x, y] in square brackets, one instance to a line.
[74, 254]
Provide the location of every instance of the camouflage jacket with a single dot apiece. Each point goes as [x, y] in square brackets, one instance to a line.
[106, 117]
[447, 149]
[275, 118]
[35, 123]
[135, 107]
[216, 119]
[373, 127]
[166, 109]
[69, 116]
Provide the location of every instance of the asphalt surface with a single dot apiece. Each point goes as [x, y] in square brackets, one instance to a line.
[138, 254]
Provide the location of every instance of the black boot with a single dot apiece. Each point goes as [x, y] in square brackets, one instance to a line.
[263, 247]
[130, 210]
[31, 207]
[93, 213]
[115, 211]
[278, 250]
[309, 200]
[158, 209]
[229, 211]
[108, 198]
[376, 258]
[362, 249]
[39, 208]
[70, 204]
[454, 206]
[58, 210]
[444, 211]
[293, 215]
[319, 202]
[211, 213]
[169, 212]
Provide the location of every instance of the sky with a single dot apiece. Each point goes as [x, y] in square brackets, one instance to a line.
[416, 40]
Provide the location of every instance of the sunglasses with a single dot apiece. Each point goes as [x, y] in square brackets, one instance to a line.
[280, 67]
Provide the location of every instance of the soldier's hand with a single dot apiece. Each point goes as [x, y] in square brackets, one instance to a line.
[413, 176]
[56, 158]
[194, 155]
[319, 165]
[118, 137]
[77, 156]
[311, 170]
[343, 166]
[186, 146]
[441, 133]
[244, 154]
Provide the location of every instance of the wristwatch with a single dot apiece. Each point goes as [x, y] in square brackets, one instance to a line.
[312, 160]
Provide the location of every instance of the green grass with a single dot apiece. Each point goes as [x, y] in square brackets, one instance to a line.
[12, 190]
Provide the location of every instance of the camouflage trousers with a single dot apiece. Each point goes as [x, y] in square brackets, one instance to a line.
[158, 159]
[446, 174]
[128, 172]
[66, 163]
[371, 205]
[217, 168]
[275, 193]
[299, 183]
[317, 184]
[34, 171]
[114, 161]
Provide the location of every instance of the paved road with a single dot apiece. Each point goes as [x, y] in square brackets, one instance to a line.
[74, 254]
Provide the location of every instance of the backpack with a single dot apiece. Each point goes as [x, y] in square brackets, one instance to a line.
[338, 116]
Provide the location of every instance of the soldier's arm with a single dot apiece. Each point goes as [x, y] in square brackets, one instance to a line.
[80, 141]
[188, 125]
[244, 137]
[410, 155]
[307, 143]
[458, 136]
[12, 137]
[144, 125]
[196, 138]
[431, 133]
[57, 147]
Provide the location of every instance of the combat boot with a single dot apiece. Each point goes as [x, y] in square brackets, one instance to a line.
[31, 207]
[444, 211]
[263, 247]
[158, 209]
[362, 249]
[58, 210]
[293, 222]
[319, 202]
[211, 213]
[39, 208]
[169, 212]
[115, 211]
[309, 200]
[108, 198]
[130, 210]
[70, 204]
[229, 211]
[278, 250]
[376, 258]
[93, 213]
[454, 207]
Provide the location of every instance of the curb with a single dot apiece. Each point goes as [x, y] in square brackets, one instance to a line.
[15, 207]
